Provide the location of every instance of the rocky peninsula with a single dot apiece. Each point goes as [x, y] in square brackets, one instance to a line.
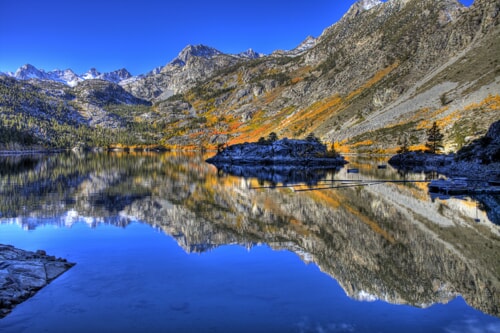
[284, 152]
[23, 273]
[479, 160]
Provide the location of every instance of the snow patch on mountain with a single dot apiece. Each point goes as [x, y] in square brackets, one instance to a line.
[361, 6]
[67, 76]
[91, 74]
[249, 54]
[369, 4]
[308, 43]
[305, 45]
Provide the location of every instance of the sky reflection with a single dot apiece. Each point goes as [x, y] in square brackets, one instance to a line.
[162, 242]
[136, 278]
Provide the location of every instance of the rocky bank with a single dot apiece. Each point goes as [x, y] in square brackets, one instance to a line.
[479, 160]
[23, 273]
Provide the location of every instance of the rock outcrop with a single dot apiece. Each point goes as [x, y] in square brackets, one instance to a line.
[280, 152]
[485, 150]
[23, 273]
[479, 160]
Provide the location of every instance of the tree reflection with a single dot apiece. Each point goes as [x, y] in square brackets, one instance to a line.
[388, 241]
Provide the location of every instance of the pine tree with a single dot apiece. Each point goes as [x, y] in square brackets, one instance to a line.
[312, 138]
[434, 139]
[272, 137]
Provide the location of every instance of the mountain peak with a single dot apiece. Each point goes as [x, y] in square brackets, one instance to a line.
[306, 44]
[91, 74]
[116, 76]
[27, 67]
[361, 6]
[369, 4]
[190, 51]
[29, 71]
[249, 54]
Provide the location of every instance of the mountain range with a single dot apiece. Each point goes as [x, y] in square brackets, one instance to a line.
[68, 76]
[383, 73]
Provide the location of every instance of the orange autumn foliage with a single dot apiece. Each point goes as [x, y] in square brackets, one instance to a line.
[376, 78]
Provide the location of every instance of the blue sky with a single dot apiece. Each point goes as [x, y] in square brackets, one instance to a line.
[141, 35]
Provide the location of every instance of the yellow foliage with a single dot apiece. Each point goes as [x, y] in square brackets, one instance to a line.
[371, 223]
[332, 199]
[363, 143]
[390, 151]
[417, 147]
[448, 120]
[318, 112]
[376, 78]
[490, 103]
[342, 147]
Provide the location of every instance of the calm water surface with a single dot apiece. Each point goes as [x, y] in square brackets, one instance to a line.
[167, 243]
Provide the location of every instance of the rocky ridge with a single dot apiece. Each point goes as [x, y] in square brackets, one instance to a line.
[68, 77]
[376, 75]
[193, 64]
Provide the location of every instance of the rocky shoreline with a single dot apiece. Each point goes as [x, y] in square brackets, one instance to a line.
[479, 161]
[23, 273]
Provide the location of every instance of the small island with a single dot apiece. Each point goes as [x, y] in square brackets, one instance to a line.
[309, 152]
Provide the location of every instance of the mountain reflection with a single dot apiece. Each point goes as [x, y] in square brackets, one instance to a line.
[389, 241]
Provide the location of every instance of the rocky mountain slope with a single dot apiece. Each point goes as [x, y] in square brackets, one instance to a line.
[48, 114]
[385, 71]
[193, 64]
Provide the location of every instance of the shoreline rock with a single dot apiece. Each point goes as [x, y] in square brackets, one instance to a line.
[480, 160]
[23, 273]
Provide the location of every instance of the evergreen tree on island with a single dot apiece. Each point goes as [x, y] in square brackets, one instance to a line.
[434, 139]
[272, 137]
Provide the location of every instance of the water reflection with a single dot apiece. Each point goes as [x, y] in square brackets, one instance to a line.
[389, 241]
[278, 174]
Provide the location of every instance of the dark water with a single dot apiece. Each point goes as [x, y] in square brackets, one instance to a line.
[166, 243]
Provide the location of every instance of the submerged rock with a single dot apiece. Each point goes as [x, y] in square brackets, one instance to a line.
[280, 152]
[23, 273]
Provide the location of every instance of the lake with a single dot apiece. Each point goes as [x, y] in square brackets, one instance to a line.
[168, 243]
